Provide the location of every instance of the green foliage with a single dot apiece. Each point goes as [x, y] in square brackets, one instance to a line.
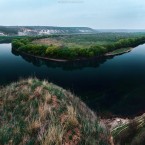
[98, 37]
[9, 39]
[75, 52]
[51, 50]
[33, 49]
[16, 43]
[8, 30]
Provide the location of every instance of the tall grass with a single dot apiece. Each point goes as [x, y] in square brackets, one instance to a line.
[40, 113]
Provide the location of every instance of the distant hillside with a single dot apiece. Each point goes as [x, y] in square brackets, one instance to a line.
[120, 30]
[43, 30]
[50, 30]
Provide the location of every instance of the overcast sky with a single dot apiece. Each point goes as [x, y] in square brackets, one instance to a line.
[99, 14]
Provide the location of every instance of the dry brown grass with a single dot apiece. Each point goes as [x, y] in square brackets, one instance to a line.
[48, 41]
[132, 133]
[71, 117]
[34, 126]
[37, 112]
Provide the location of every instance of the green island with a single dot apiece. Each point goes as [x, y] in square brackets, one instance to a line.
[38, 112]
[77, 47]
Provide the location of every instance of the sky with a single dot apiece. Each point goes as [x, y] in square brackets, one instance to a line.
[98, 14]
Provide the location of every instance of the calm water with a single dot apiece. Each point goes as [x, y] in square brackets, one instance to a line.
[114, 85]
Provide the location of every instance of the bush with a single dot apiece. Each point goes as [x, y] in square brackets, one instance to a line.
[34, 49]
[51, 51]
[17, 43]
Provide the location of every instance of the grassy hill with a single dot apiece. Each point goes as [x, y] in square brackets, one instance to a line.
[36, 112]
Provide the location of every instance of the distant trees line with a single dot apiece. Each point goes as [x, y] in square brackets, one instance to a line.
[8, 30]
[9, 39]
[65, 52]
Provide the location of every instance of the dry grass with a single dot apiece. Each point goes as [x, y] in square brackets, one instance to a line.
[48, 41]
[40, 113]
[54, 135]
[132, 133]
[71, 119]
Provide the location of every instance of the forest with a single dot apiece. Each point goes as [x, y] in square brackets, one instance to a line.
[77, 47]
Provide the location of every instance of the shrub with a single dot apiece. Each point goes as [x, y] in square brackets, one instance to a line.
[33, 49]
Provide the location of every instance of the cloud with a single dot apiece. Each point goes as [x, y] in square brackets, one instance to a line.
[92, 13]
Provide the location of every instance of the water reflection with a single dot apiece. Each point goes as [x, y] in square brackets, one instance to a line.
[70, 65]
[115, 84]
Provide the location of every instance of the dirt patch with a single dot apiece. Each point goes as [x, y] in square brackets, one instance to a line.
[48, 41]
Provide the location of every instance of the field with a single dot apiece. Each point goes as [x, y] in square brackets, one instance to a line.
[86, 40]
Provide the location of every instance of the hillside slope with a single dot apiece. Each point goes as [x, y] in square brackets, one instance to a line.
[40, 113]
[43, 30]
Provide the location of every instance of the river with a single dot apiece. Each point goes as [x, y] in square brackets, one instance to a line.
[114, 85]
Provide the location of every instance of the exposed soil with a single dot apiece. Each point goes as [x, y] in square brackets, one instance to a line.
[48, 41]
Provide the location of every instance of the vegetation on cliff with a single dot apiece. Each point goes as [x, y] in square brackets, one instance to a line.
[131, 133]
[37, 112]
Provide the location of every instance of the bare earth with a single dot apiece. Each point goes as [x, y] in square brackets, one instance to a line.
[48, 41]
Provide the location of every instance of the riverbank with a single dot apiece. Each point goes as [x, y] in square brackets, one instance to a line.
[113, 53]
[43, 58]
[119, 51]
